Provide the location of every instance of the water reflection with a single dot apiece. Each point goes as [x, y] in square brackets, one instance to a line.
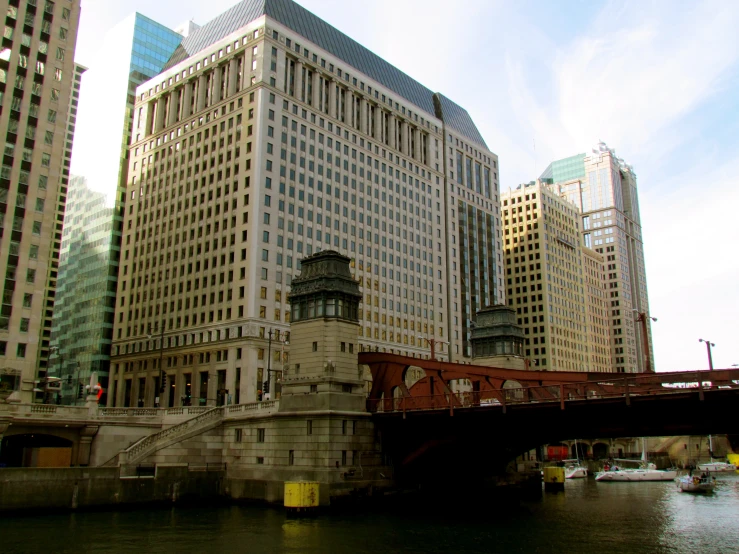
[588, 517]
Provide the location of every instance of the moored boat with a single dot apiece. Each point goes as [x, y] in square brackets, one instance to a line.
[647, 473]
[575, 470]
[717, 467]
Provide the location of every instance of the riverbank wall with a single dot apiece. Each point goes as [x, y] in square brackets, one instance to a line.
[87, 488]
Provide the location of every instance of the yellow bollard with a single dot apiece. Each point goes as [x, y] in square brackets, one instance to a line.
[554, 479]
[301, 496]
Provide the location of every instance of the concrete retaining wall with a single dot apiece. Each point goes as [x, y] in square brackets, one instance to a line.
[72, 488]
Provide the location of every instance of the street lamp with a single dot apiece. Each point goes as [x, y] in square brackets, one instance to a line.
[432, 342]
[709, 345]
[643, 318]
[266, 385]
[162, 380]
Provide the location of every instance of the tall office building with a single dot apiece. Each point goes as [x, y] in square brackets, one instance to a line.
[544, 276]
[37, 111]
[604, 189]
[270, 136]
[132, 52]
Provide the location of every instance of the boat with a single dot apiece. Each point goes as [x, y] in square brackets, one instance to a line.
[717, 467]
[703, 483]
[575, 470]
[648, 472]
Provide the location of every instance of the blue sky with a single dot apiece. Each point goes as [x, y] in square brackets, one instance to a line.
[657, 81]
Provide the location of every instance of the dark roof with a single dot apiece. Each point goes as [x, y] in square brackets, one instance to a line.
[334, 41]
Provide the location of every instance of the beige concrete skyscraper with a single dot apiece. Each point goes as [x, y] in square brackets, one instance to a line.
[544, 276]
[603, 188]
[268, 137]
[39, 106]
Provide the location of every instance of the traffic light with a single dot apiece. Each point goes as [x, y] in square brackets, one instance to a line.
[80, 390]
[164, 383]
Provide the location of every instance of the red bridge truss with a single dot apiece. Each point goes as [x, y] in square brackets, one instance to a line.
[400, 383]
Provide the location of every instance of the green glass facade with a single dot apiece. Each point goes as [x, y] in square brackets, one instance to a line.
[82, 327]
[565, 169]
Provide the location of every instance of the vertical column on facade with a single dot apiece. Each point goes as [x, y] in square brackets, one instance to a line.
[112, 388]
[403, 146]
[348, 108]
[233, 76]
[161, 108]
[120, 389]
[363, 121]
[392, 133]
[332, 99]
[417, 145]
[216, 91]
[174, 106]
[187, 100]
[299, 80]
[378, 123]
[317, 90]
[149, 121]
[202, 85]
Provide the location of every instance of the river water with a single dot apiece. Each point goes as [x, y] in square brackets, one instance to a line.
[587, 517]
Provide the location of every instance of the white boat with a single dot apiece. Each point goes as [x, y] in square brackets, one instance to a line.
[717, 467]
[696, 483]
[648, 473]
[574, 470]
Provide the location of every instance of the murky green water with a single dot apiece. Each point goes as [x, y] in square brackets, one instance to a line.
[588, 517]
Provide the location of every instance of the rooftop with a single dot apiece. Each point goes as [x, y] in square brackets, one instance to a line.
[332, 40]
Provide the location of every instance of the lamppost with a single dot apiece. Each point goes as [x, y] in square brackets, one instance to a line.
[432, 342]
[709, 345]
[162, 378]
[267, 383]
[643, 318]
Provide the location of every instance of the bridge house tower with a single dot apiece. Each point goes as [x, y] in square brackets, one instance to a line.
[497, 338]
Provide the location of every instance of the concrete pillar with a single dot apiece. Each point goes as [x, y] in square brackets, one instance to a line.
[217, 85]
[233, 76]
[317, 92]
[378, 124]
[391, 130]
[332, 99]
[161, 109]
[202, 84]
[174, 106]
[83, 452]
[187, 99]
[299, 80]
[348, 107]
[363, 118]
[429, 149]
[417, 144]
[149, 118]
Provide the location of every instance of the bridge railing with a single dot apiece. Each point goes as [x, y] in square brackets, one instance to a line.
[623, 386]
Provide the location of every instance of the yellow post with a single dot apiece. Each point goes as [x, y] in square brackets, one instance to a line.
[554, 479]
[301, 495]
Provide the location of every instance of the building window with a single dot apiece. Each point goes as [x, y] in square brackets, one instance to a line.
[21, 350]
[291, 458]
[260, 435]
[315, 346]
[239, 435]
[3, 347]
[310, 427]
[25, 323]
[260, 460]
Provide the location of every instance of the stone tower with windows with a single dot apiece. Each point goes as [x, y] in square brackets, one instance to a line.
[497, 339]
[324, 373]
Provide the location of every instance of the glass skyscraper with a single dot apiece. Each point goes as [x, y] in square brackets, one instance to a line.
[133, 52]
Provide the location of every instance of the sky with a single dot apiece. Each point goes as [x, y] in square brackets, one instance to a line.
[658, 81]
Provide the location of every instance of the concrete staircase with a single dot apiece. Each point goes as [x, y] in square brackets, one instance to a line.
[148, 445]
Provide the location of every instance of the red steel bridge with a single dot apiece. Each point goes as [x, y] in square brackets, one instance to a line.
[505, 412]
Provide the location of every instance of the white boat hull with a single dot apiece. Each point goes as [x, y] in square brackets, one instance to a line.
[717, 467]
[696, 484]
[634, 475]
[576, 473]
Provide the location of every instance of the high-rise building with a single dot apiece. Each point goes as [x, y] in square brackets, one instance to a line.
[37, 111]
[604, 189]
[544, 276]
[132, 52]
[270, 136]
[596, 310]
